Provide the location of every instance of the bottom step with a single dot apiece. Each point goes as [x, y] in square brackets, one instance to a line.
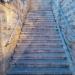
[39, 71]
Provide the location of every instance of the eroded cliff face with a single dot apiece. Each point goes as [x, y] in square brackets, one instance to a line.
[12, 17]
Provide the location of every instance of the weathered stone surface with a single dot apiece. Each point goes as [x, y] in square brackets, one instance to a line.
[12, 16]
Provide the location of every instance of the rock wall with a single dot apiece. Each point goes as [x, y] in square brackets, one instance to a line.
[12, 17]
[67, 19]
[64, 11]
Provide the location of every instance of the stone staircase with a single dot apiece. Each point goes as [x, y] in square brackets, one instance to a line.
[40, 49]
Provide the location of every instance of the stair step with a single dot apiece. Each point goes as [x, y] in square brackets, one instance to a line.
[41, 20]
[20, 48]
[41, 37]
[40, 15]
[41, 27]
[41, 58]
[48, 37]
[40, 40]
[51, 36]
[35, 45]
[39, 71]
[43, 43]
[37, 11]
[44, 24]
[45, 28]
[39, 32]
[65, 62]
[48, 28]
[32, 36]
[37, 18]
[38, 56]
[38, 51]
[44, 65]
[59, 61]
[45, 21]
